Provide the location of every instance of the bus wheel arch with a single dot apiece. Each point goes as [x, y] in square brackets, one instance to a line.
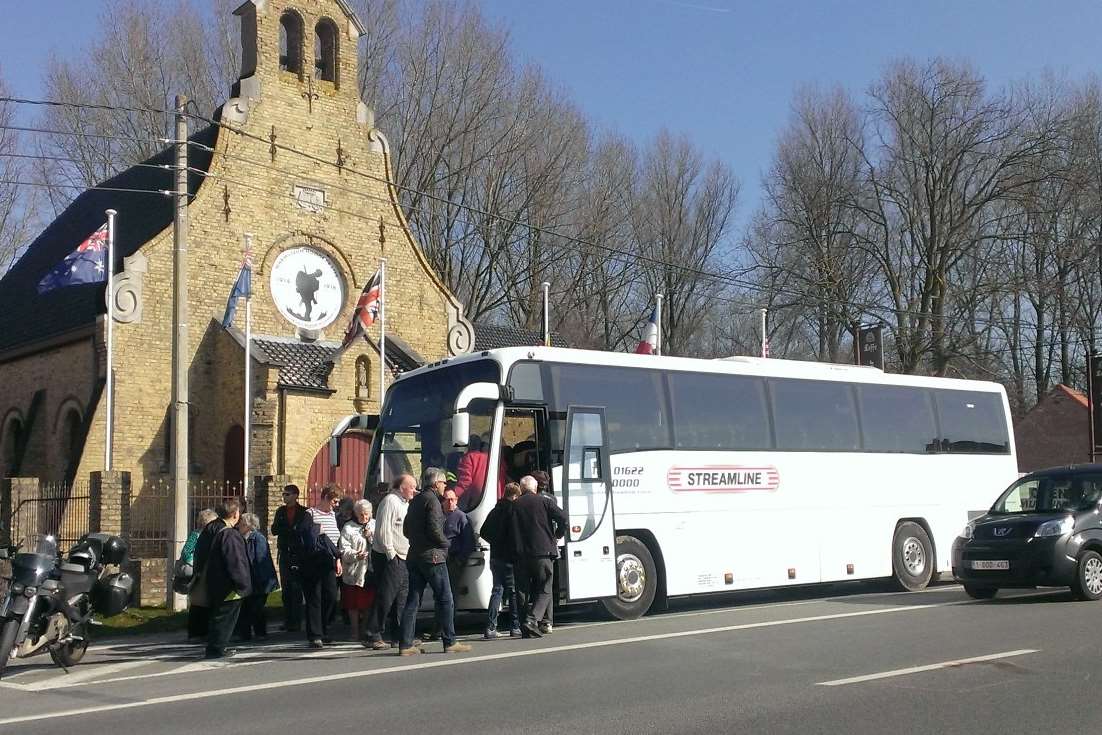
[638, 560]
[914, 557]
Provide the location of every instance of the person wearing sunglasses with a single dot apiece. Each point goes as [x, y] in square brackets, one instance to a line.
[287, 526]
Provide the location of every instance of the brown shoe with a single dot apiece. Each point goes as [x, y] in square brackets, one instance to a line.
[458, 648]
[377, 645]
[409, 651]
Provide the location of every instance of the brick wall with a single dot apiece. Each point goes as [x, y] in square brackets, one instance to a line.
[1053, 433]
[249, 189]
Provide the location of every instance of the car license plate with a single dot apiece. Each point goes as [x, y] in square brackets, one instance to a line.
[990, 564]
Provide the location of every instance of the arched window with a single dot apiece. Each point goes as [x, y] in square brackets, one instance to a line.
[69, 441]
[12, 445]
[325, 51]
[290, 42]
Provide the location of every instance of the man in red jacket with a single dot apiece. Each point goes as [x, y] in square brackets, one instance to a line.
[471, 475]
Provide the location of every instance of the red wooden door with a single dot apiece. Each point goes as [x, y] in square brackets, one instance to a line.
[349, 474]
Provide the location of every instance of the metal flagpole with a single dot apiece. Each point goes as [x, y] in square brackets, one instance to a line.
[382, 345]
[110, 339]
[546, 286]
[658, 324]
[247, 490]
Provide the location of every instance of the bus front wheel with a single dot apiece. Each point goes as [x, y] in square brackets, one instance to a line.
[912, 557]
[636, 580]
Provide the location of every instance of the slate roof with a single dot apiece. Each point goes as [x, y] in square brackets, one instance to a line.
[303, 365]
[306, 365]
[493, 336]
[25, 316]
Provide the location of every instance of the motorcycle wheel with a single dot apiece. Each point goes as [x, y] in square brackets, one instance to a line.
[70, 654]
[7, 642]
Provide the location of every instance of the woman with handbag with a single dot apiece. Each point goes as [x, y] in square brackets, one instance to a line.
[198, 612]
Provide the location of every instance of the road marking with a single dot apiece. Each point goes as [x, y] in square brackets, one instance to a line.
[460, 661]
[928, 667]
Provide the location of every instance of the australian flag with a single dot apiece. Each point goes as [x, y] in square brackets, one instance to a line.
[86, 264]
[242, 289]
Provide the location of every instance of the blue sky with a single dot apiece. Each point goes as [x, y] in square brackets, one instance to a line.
[721, 71]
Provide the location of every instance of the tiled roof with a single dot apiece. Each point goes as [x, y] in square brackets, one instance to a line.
[1075, 395]
[493, 336]
[25, 316]
[306, 365]
[301, 364]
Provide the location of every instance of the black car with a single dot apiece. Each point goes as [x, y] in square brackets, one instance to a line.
[1045, 530]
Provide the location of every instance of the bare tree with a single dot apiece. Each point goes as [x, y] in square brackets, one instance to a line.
[17, 201]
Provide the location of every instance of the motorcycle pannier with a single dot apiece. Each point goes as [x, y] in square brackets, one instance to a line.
[112, 594]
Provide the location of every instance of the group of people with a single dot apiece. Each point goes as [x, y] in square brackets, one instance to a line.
[375, 565]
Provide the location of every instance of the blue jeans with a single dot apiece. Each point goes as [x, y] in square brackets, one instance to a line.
[504, 587]
[435, 576]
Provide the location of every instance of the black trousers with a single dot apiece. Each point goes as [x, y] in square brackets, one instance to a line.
[535, 576]
[391, 590]
[223, 619]
[291, 591]
[253, 619]
[198, 621]
[320, 589]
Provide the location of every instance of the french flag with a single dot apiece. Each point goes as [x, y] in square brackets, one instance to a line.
[649, 344]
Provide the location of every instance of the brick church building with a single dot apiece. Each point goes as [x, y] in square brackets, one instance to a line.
[327, 216]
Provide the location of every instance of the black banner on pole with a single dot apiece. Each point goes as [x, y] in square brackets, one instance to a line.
[1094, 398]
[870, 345]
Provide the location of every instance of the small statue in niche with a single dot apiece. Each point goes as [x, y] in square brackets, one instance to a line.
[363, 384]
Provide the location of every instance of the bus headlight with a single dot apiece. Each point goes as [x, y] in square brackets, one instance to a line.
[968, 530]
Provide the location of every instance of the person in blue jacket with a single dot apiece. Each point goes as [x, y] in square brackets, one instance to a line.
[254, 616]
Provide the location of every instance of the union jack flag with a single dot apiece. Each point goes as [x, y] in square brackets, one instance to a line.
[86, 264]
[366, 311]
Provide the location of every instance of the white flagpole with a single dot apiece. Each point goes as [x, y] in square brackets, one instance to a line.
[658, 324]
[248, 486]
[764, 334]
[110, 393]
[546, 288]
[382, 345]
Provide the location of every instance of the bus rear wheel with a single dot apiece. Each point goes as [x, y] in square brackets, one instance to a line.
[636, 580]
[912, 557]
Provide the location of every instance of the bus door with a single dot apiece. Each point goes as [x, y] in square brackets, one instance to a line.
[587, 500]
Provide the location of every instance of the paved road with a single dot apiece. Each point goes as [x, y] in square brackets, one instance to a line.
[854, 662]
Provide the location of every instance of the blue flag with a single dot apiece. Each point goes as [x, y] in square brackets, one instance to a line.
[86, 264]
[242, 288]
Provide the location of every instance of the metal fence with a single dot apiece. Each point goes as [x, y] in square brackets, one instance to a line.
[61, 510]
[152, 512]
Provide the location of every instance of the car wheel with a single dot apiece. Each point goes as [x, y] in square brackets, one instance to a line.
[980, 593]
[912, 557]
[1088, 577]
[636, 580]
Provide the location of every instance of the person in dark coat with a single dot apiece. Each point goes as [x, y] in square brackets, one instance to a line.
[536, 526]
[496, 529]
[254, 616]
[543, 489]
[228, 580]
[198, 610]
[427, 564]
[287, 526]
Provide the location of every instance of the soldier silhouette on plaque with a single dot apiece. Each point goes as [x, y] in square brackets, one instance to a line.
[307, 284]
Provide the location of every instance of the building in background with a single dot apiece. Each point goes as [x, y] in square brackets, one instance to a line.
[1054, 432]
[322, 216]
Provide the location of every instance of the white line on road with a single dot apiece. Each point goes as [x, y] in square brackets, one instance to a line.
[928, 667]
[458, 661]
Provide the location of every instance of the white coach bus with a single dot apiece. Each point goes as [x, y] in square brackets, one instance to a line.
[685, 476]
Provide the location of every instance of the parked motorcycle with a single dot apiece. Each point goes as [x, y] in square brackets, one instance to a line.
[50, 603]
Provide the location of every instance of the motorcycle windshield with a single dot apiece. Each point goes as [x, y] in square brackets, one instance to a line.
[34, 561]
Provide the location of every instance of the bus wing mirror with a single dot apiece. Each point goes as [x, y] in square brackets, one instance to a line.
[461, 420]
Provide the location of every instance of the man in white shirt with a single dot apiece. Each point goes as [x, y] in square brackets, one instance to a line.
[388, 559]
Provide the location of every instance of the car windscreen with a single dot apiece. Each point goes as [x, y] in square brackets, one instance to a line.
[1051, 494]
